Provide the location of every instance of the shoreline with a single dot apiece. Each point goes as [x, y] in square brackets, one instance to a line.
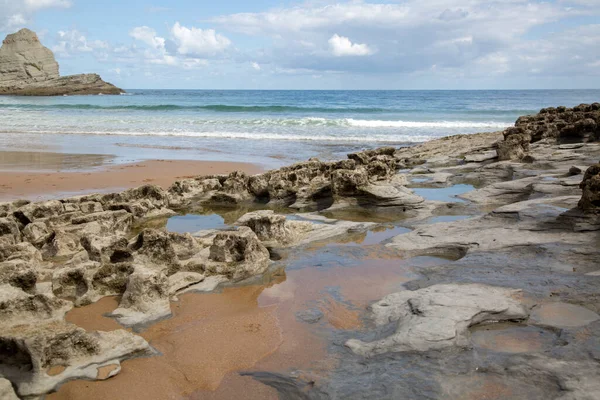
[383, 270]
[32, 184]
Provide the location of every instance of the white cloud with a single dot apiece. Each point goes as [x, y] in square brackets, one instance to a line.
[148, 36]
[186, 48]
[307, 17]
[481, 36]
[73, 41]
[15, 14]
[16, 20]
[256, 66]
[342, 46]
[196, 41]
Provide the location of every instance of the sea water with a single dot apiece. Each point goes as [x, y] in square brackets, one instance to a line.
[261, 126]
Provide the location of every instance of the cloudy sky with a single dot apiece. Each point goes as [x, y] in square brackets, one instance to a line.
[286, 44]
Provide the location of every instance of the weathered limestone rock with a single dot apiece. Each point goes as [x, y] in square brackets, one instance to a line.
[111, 279]
[438, 316]
[108, 249]
[316, 195]
[347, 183]
[153, 247]
[28, 68]
[558, 125]
[457, 146]
[37, 233]
[20, 308]
[182, 192]
[515, 145]
[23, 58]
[35, 353]
[387, 195]
[183, 280]
[61, 244]
[590, 199]
[76, 283]
[528, 223]
[6, 390]
[147, 201]
[90, 207]
[481, 157]
[33, 211]
[107, 222]
[267, 226]
[184, 244]
[19, 273]
[21, 251]
[146, 298]
[9, 231]
[238, 254]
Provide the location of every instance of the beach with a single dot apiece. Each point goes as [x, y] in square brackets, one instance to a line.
[43, 176]
[415, 269]
[299, 200]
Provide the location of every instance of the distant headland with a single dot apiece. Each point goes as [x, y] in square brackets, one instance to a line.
[27, 68]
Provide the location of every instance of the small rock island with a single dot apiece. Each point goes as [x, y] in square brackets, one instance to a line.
[27, 68]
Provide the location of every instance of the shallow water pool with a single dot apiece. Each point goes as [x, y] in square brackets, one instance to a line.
[447, 194]
[191, 223]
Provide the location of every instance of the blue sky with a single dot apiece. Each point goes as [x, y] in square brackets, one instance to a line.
[268, 44]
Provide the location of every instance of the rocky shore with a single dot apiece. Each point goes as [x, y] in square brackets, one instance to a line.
[522, 258]
[27, 68]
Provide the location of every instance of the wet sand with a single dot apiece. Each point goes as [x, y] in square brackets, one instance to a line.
[208, 336]
[212, 337]
[48, 177]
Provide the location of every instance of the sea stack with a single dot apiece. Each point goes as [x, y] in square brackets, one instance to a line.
[27, 68]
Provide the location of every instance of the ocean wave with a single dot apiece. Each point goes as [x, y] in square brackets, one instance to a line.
[424, 124]
[254, 136]
[211, 107]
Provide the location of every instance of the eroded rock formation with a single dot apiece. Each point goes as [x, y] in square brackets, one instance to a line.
[438, 317]
[71, 252]
[590, 185]
[29, 68]
[557, 125]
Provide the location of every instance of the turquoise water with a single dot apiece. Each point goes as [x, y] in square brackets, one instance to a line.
[265, 125]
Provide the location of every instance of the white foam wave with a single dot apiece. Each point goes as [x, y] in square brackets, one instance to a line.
[256, 136]
[423, 124]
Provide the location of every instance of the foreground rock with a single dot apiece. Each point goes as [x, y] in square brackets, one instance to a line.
[438, 317]
[27, 68]
[366, 179]
[40, 351]
[529, 242]
[590, 185]
[522, 249]
[558, 125]
[280, 231]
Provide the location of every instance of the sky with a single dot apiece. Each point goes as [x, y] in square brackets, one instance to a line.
[285, 44]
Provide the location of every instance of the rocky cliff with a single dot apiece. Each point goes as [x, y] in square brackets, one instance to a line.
[28, 68]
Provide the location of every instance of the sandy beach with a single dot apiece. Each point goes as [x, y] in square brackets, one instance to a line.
[290, 200]
[319, 277]
[42, 176]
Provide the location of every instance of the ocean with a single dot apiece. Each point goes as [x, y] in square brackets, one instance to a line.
[268, 127]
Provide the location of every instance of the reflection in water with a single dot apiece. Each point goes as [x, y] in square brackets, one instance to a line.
[41, 161]
[255, 326]
[193, 223]
[511, 338]
[447, 194]
[447, 218]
